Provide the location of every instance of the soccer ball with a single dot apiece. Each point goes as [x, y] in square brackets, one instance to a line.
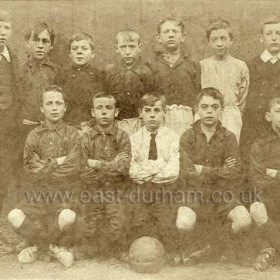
[146, 255]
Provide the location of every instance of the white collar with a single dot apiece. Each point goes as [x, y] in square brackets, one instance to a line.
[147, 132]
[6, 54]
[267, 56]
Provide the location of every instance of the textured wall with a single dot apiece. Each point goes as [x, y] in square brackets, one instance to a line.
[104, 18]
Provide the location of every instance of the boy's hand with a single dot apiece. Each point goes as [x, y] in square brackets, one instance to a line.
[94, 163]
[121, 157]
[230, 162]
[198, 168]
[60, 160]
[271, 172]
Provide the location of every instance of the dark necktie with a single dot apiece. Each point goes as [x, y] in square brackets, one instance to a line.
[153, 147]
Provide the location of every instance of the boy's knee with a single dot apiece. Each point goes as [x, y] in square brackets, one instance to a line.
[16, 217]
[186, 219]
[240, 217]
[258, 213]
[66, 217]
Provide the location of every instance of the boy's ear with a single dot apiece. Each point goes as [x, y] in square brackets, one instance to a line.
[117, 111]
[184, 35]
[93, 54]
[195, 108]
[158, 38]
[92, 113]
[42, 109]
[268, 116]
[140, 46]
[261, 38]
[116, 48]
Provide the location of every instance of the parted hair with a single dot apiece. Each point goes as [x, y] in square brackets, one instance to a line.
[37, 29]
[219, 24]
[82, 36]
[151, 98]
[104, 94]
[211, 92]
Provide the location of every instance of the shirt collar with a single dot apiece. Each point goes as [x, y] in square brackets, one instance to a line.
[271, 135]
[96, 131]
[267, 56]
[6, 54]
[147, 132]
[60, 129]
[197, 127]
[31, 63]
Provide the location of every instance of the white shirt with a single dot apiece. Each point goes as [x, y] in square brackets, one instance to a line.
[165, 169]
[230, 76]
[267, 56]
[5, 53]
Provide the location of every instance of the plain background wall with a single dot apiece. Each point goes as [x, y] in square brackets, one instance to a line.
[104, 18]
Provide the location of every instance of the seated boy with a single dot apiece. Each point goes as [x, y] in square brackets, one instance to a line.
[210, 168]
[51, 162]
[80, 80]
[154, 170]
[265, 166]
[105, 163]
[128, 79]
[227, 74]
[176, 76]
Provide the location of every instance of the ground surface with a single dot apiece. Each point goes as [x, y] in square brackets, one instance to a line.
[87, 270]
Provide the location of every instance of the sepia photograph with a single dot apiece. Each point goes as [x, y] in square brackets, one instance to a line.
[140, 139]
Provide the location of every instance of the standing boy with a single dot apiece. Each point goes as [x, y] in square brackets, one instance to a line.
[210, 166]
[265, 166]
[128, 79]
[9, 93]
[106, 157]
[264, 84]
[37, 73]
[80, 80]
[227, 74]
[154, 170]
[176, 76]
[51, 163]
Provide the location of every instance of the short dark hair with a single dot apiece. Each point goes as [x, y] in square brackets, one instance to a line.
[270, 20]
[219, 24]
[179, 23]
[37, 29]
[104, 94]
[53, 88]
[81, 36]
[151, 98]
[129, 34]
[211, 92]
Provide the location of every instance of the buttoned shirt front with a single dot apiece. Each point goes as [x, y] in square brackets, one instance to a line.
[34, 78]
[165, 168]
[195, 149]
[43, 145]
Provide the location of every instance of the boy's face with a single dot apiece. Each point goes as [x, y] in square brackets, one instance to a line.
[5, 32]
[39, 45]
[104, 111]
[270, 38]
[171, 36]
[53, 106]
[152, 116]
[129, 50]
[80, 52]
[209, 110]
[273, 116]
[220, 43]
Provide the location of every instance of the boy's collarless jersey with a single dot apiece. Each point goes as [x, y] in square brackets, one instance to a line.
[180, 83]
[129, 85]
[80, 83]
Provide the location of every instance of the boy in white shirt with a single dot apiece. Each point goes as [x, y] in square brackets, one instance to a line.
[154, 170]
[227, 74]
